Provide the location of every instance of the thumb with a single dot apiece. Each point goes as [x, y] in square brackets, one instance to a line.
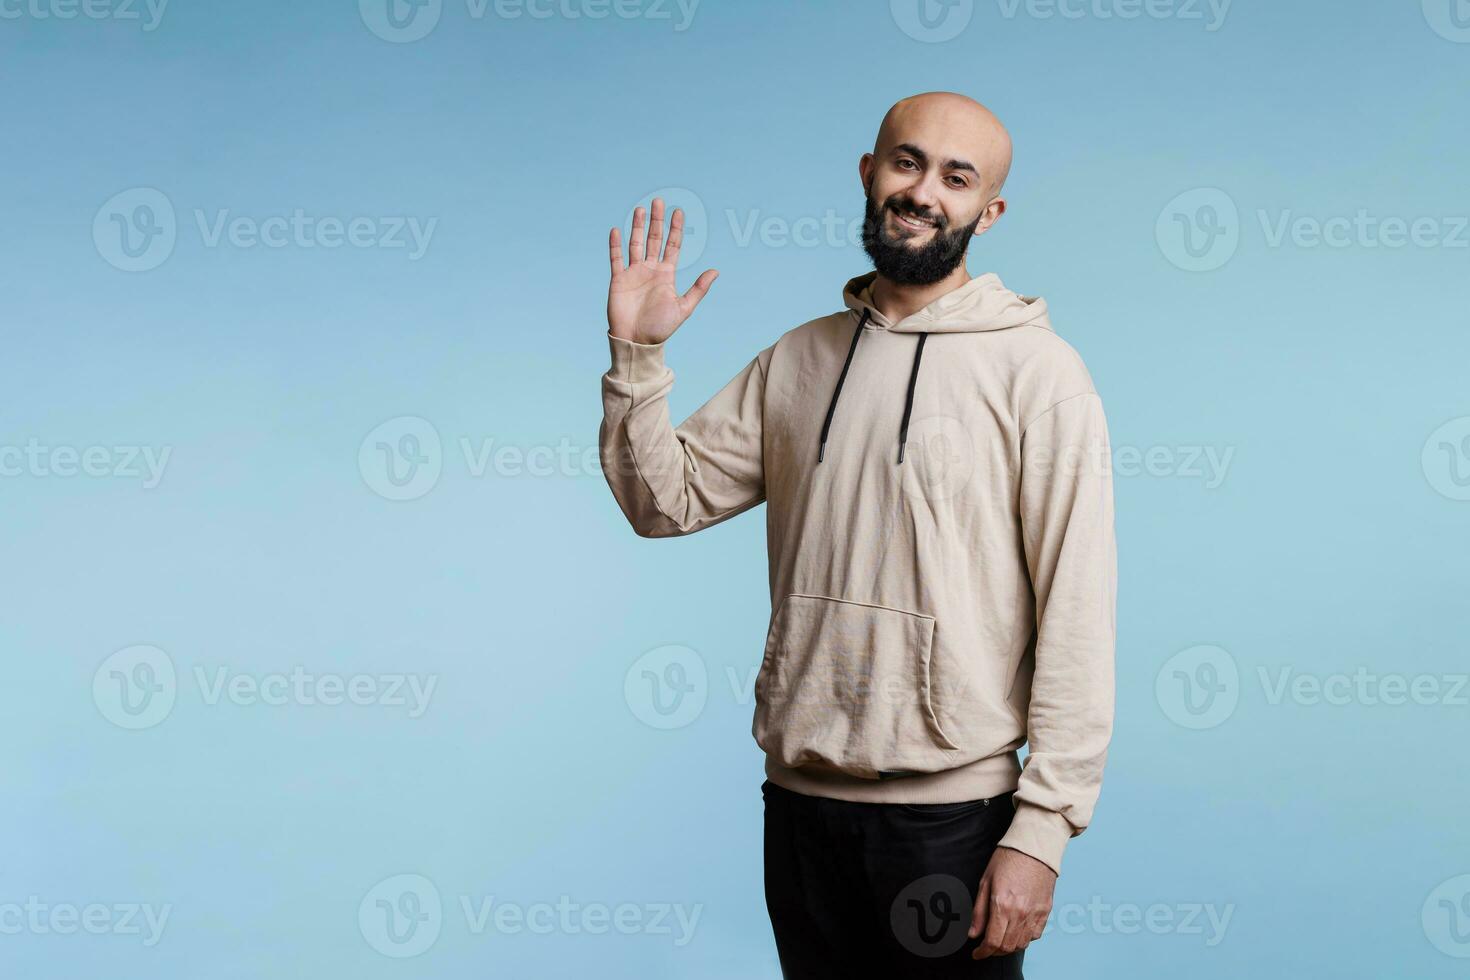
[982, 906]
[697, 291]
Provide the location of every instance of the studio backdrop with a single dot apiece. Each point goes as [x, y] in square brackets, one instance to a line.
[328, 652]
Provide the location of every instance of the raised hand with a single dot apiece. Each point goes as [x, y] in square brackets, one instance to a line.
[642, 304]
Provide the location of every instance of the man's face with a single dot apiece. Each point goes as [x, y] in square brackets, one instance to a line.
[930, 184]
[912, 243]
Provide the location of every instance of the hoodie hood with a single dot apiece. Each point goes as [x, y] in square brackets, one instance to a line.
[982, 303]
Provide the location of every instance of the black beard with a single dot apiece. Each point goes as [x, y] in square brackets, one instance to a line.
[899, 262]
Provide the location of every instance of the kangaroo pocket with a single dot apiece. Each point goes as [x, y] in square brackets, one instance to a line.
[845, 686]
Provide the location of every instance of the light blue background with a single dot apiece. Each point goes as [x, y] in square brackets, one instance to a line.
[1332, 543]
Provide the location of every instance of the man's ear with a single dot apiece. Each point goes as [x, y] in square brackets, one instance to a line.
[865, 170]
[991, 214]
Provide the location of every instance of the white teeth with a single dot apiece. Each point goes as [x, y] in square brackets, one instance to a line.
[915, 222]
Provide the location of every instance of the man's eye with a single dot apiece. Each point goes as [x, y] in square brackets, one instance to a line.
[903, 163]
[958, 181]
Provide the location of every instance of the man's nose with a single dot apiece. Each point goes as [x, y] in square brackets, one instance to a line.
[925, 192]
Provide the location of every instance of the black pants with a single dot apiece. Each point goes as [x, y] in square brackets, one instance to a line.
[881, 890]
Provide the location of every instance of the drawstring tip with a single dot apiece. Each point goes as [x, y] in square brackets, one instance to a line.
[900, 452]
[821, 451]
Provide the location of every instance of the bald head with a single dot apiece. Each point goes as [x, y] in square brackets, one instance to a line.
[948, 126]
[932, 184]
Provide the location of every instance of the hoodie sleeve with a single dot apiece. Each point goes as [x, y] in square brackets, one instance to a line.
[672, 481]
[1066, 509]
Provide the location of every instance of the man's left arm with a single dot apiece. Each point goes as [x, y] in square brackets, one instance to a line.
[1066, 514]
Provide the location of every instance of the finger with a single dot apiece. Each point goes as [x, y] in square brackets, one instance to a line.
[995, 932]
[1017, 934]
[676, 237]
[635, 243]
[656, 230]
[615, 251]
[697, 291]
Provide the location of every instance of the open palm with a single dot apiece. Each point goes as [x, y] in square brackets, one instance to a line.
[642, 304]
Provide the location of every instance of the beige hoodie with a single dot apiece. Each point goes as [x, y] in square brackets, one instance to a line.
[931, 612]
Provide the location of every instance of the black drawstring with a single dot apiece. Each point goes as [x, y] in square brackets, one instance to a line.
[831, 408]
[908, 404]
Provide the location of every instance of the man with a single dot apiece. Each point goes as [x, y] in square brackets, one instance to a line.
[935, 464]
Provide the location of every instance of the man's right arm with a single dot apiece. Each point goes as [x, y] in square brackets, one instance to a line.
[671, 481]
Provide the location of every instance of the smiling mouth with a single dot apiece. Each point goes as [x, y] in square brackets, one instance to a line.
[912, 223]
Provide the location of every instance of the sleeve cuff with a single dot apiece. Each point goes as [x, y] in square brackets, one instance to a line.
[1040, 833]
[635, 363]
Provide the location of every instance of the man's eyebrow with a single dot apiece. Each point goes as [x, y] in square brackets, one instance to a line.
[923, 157]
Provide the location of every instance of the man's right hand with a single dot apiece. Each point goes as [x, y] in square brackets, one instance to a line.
[642, 303]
